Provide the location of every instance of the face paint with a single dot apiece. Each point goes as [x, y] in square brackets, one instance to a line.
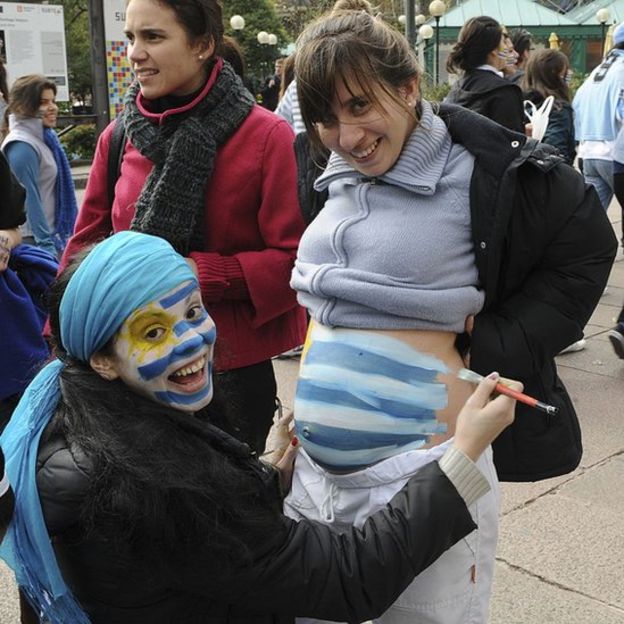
[362, 397]
[164, 350]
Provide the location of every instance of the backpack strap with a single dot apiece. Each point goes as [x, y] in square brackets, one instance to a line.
[115, 156]
[310, 164]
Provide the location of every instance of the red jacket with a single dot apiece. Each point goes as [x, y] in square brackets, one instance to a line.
[253, 225]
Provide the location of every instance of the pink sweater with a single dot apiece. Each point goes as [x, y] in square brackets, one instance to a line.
[252, 223]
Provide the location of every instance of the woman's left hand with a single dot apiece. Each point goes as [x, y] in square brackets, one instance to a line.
[286, 465]
[279, 437]
[281, 447]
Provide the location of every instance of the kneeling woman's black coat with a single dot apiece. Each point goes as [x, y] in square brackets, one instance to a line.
[135, 549]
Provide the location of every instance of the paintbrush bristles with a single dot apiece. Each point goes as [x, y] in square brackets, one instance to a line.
[469, 375]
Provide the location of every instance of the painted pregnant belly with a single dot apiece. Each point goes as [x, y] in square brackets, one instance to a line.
[364, 396]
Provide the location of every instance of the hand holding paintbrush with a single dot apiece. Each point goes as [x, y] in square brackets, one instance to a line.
[483, 418]
[504, 388]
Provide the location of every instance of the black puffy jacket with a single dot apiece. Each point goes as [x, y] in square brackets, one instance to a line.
[307, 569]
[544, 249]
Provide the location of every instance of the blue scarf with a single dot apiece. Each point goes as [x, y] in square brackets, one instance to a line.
[121, 274]
[66, 208]
[23, 288]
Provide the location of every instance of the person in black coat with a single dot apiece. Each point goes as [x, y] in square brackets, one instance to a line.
[152, 513]
[480, 54]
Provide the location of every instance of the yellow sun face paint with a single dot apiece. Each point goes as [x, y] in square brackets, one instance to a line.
[148, 331]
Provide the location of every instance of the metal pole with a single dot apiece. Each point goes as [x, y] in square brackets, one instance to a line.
[602, 36]
[98, 64]
[410, 24]
[437, 50]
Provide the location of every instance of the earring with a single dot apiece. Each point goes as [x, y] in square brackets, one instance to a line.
[201, 57]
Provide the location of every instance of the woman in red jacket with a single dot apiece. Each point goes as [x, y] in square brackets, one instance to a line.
[214, 174]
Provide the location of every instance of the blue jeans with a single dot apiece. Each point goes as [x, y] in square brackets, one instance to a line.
[599, 173]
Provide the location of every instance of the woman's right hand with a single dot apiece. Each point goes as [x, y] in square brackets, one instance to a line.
[482, 419]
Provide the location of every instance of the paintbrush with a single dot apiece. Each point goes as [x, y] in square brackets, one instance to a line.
[501, 388]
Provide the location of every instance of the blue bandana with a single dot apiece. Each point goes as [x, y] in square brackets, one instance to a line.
[121, 274]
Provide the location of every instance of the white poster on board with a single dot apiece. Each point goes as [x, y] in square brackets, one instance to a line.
[32, 41]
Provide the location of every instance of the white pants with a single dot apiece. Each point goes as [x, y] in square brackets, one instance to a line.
[456, 588]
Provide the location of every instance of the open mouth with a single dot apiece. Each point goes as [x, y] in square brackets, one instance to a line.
[191, 376]
[367, 152]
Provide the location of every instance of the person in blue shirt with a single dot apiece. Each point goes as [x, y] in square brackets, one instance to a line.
[35, 154]
[598, 114]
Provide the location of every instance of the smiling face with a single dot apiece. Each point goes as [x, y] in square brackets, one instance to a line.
[164, 350]
[48, 110]
[369, 136]
[163, 58]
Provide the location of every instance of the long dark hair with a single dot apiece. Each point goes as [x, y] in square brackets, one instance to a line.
[477, 38]
[166, 485]
[543, 74]
[25, 97]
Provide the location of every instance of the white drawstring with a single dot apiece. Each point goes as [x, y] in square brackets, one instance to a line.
[327, 506]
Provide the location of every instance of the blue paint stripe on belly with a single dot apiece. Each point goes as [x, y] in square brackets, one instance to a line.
[349, 440]
[352, 358]
[308, 390]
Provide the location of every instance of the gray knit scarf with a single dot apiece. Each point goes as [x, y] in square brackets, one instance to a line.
[172, 203]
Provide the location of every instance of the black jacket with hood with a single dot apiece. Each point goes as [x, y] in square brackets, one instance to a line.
[494, 97]
[544, 249]
[306, 568]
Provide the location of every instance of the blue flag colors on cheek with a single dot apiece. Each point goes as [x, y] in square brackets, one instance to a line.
[174, 398]
[363, 397]
[181, 352]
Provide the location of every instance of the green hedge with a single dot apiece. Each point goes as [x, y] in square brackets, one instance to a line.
[79, 142]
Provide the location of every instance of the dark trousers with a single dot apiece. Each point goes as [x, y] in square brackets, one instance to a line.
[245, 401]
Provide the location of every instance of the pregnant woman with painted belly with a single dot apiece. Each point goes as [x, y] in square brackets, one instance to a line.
[371, 408]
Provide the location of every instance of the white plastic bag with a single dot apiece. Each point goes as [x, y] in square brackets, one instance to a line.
[538, 117]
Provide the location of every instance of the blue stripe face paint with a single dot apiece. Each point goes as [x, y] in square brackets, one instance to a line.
[364, 396]
[164, 350]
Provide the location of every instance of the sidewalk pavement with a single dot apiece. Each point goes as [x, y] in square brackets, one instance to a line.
[561, 550]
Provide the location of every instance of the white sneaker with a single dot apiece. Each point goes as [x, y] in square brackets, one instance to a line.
[579, 345]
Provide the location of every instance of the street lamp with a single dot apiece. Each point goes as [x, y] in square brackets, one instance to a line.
[420, 19]
[263, 37]
[603, 16]
[237, 22]
[437, 9]
[410, 25]
[272, 40]
[425, 32]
